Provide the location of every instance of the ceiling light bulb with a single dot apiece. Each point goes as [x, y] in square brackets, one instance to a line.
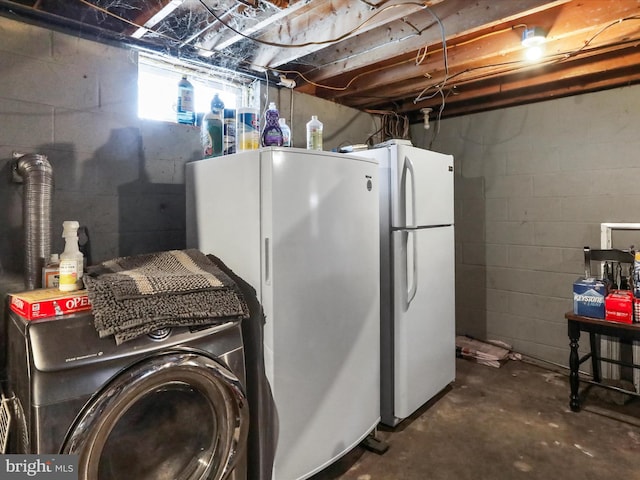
[533, 37]
[534, 53]
[533, 40]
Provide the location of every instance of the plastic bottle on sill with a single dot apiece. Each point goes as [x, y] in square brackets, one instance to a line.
[272, 133]
[212, 132]
[247, 129]
[286, 132]
[71, 259]
[314, 134]
[229, 146]
[185, 106]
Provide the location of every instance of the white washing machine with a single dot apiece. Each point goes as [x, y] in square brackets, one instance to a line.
[167, 405]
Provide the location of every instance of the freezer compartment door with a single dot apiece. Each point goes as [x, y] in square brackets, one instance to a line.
[424, 316]
[421, 187]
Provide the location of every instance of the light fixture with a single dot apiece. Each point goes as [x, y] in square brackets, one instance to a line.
[287, 82]
[533, 40]
[425, 112]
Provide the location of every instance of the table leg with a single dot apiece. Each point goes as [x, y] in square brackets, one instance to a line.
[595, 356]
[574, 365]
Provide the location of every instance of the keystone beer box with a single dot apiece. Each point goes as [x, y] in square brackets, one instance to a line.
[48, 302]
[588, 297]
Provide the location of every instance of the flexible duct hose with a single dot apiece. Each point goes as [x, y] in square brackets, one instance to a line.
[36, 214]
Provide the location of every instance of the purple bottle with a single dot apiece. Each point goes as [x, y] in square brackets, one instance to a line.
[272, 133]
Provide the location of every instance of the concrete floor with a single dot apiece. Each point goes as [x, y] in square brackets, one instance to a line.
[504, 423]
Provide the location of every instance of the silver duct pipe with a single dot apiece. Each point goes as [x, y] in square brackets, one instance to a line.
[37, 176]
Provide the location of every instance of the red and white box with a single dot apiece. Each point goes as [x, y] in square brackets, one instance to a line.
[618, 306]
[48, 302]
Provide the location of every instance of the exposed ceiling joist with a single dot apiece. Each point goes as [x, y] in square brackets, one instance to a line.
[154, 15]
[459, 18]
[379, 54]
[327, 21]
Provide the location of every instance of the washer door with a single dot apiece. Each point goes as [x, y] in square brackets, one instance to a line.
[178, 415]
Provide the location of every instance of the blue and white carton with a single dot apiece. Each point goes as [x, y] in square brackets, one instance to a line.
[588, 297]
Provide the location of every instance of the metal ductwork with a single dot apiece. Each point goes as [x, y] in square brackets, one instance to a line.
[37, 177]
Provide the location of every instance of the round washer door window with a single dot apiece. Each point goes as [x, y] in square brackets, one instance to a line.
[178, 415]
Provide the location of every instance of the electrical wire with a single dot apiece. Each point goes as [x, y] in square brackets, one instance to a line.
[402, 62]
[174, 40]
[307, 44]
[445, 56]
[263, 67]
[291, 124]
[439, 87]
[266, 94]
[560, 56]
[107, 12]
[344, 87]
[392, 125]
[381, 68]
[392, 65]
[516, 65]
[605, 28]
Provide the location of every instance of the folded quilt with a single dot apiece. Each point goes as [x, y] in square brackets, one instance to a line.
[132, 296]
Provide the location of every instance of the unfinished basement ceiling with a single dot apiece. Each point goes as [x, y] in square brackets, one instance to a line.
[453, 56]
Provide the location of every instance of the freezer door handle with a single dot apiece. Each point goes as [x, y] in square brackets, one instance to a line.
[408, 168]
[267, 262]
[413, 288]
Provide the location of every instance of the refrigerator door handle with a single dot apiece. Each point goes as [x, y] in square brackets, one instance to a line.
[408, 167]
[411, 291]
[267, 262]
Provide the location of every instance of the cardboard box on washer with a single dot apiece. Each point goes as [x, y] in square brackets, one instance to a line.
[48, 302]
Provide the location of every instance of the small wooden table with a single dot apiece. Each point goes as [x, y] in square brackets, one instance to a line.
[594, 326]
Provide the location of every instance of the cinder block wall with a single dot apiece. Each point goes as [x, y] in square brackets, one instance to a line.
[533, 183]
[75, 101]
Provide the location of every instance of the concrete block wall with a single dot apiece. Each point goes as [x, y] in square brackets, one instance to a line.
[75, 101]
[533, 183]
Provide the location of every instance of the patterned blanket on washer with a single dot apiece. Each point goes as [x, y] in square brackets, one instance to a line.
[132, 296]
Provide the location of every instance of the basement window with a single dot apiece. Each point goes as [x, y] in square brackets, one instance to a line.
[158, 88]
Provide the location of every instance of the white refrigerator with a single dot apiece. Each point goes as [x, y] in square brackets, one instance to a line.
[301, 227]
[417, 270]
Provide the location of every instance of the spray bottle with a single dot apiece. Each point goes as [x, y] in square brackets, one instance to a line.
[71, 260]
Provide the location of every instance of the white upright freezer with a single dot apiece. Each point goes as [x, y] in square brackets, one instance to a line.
[302, 227]
[417, 264]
